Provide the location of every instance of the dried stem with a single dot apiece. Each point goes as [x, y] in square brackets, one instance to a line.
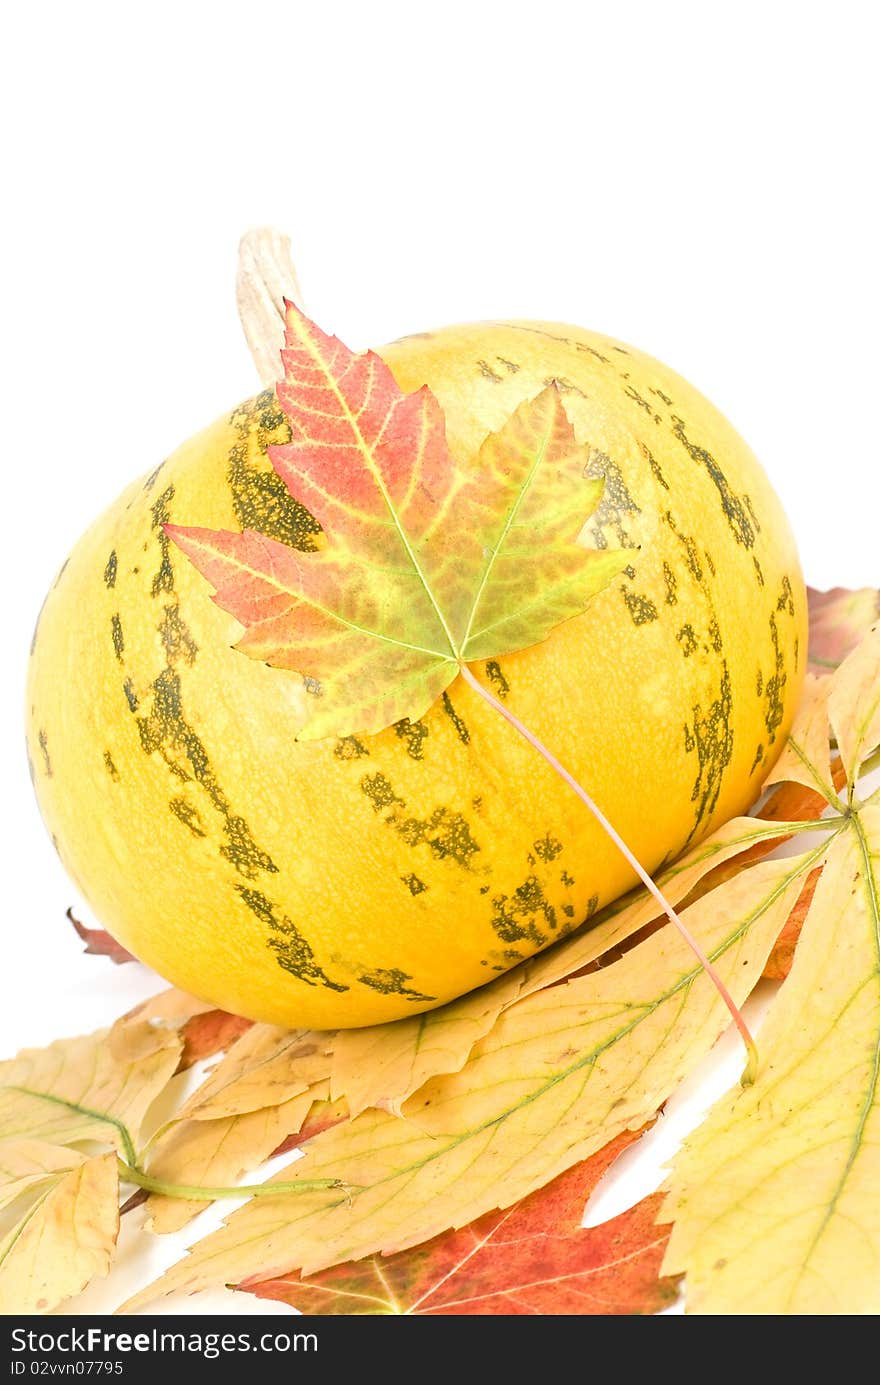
[266, 277]
[751, 1049]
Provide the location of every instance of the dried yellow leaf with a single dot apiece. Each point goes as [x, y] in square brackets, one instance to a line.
[265, 1067]
[95, 1087]
[560, 1074]
[65, 1239]
[215, 1153]
[384, 1064]
[774, 1198]
[25, 1164]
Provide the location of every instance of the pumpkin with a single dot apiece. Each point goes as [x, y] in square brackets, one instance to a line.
[346, 882]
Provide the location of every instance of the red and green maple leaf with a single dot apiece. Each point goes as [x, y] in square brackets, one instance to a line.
[425, 562]
[533, 1258]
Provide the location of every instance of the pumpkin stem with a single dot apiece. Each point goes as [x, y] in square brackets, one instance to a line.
[265, 277]
[751, 1069]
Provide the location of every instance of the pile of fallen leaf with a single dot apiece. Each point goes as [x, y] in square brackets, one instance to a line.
[444, 1161]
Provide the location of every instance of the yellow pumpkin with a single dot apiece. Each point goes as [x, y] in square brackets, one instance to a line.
[346, 882]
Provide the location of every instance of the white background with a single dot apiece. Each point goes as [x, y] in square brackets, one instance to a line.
[697, 179]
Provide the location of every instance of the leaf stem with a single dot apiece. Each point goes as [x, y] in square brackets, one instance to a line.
[751, 1068]
[870, 763]
[130, 1174]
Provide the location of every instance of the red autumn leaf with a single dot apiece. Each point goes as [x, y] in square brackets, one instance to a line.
[791, 802]
[209, 1033]
[533, 1258]
[99, 943]
[780, 961]
[838, 620]
[426, 562]
[322, 1116]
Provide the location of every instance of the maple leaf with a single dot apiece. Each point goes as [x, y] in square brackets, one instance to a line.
[534, 1258]
[562, 1072]
[774, 1197]
[426, 562]
[168, 1007]
[209, 1033]
[839, 618]
[781, 959]
[64, 1206]
[383, 1064]
[557, 1035]
[26, 1164]
[259, 1095]
[99, 943]
[67, 1233]
[265, 1066]
[513, 1084]
[217, 1152]
[203, 1029]
[95, 1087]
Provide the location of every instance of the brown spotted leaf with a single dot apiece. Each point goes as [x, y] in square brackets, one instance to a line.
[265, 1066]
[426, 562]
[534, 1258]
